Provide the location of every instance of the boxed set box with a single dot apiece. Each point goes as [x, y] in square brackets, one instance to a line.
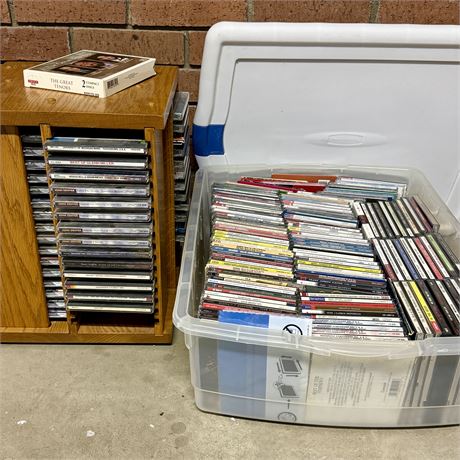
[92, 73]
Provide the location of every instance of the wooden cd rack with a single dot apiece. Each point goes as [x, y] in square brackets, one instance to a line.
[143, 111]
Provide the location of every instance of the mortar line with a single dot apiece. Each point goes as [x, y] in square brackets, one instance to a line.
[70, 39]
[374, 11]
[250, 10]
[186, 50]
[11, 10]
[129, 17]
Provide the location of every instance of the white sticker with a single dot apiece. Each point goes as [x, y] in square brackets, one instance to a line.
[287, 373]
[342, 381]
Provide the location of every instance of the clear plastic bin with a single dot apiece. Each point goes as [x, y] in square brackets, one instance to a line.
[271, 374]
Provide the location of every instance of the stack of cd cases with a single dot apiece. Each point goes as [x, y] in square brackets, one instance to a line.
[342, 286]
[40, 199]
[102, 208]
[250, 266]
[359, 258]
[182, 166]
[422, 269]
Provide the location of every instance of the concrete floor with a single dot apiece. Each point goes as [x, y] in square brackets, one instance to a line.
[136, 402]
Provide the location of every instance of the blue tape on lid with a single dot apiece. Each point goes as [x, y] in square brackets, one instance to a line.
[208, 140]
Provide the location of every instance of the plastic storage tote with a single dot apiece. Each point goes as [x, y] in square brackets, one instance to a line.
[273, 374]
[263, 101]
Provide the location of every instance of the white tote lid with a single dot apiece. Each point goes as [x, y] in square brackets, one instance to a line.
[333, 94]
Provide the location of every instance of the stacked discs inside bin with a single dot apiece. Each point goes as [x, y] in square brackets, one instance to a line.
[250, 266]
[102, 206]
[41, 207]
[422, 268]
[182, 164]
[342, 285]
[359, 258]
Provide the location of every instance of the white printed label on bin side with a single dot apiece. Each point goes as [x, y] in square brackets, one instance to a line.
[287, 373]
[343, 381]
[264, 382]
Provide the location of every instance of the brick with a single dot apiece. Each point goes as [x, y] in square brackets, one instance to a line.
[196, 45]
[167, 47]
[4, 12]
[33, 43]
[311, 10]
[180, 13]
[189, 80]
[419, 11]
[71, 11]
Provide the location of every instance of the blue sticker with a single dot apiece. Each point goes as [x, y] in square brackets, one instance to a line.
[208, 140]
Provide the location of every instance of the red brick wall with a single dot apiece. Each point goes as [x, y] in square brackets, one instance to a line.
[173, 31]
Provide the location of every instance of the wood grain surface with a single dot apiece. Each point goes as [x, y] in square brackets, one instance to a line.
[58, 332]
[146, 104]
[22, 301]
[146, 107]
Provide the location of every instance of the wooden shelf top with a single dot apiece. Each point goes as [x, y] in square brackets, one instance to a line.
[145, 105]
